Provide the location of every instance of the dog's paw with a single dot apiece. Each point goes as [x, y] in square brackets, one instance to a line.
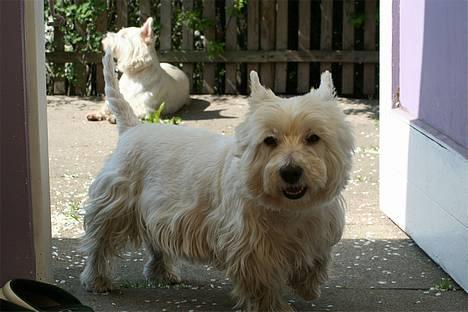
[277, 307]
[111, 119]
[309, 293]
[157, 276]
[171, 278]
[95, 116]
[100, 285]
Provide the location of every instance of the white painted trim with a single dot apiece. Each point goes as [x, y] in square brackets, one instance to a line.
[37, 130]
[423, 177]
[423, 189]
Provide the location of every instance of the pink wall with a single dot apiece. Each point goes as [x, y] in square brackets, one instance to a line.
[434, 64]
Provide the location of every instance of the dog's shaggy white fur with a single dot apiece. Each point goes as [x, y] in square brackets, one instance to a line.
[264, 205]
[145, 83]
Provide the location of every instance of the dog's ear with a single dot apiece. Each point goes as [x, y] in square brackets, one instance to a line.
[326, 90]
[146, 31]
[258, 93]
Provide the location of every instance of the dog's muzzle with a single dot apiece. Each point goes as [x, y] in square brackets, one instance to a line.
[292, 174]
[294, 191]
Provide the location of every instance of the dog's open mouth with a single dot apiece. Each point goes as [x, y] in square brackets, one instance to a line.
[295, 191]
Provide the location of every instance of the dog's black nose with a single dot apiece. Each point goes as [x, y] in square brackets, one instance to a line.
[290, 173]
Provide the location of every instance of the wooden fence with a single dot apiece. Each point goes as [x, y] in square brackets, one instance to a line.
[288, 42]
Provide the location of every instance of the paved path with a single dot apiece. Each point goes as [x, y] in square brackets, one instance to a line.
[376, 266]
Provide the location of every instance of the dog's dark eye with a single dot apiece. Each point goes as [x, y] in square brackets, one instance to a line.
[271, 141]
[312, 139]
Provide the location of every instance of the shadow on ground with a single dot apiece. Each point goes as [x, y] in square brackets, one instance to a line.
[367, 275]
[197, 110]
[369, 108]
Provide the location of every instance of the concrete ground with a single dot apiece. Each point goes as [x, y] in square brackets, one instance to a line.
[376, 266]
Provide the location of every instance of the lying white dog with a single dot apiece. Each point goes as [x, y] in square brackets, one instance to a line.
[145, 83]
[265, 205]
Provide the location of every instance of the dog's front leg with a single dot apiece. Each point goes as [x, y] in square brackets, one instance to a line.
[258, 285]
[307, 281]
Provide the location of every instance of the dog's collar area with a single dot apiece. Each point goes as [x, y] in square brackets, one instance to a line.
[294, 191]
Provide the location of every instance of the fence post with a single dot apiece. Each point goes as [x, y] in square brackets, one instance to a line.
[231, 44]
[80, 65]
[187, 42]
[267, 39]
[326, 30]
[209, 12]
[303, 69]
[281, 44]
[369, 44]
[166, 26]
[59, 80]
[101, 26]
[347, 86]
[145, 11]
[253, 26]
[122, 13]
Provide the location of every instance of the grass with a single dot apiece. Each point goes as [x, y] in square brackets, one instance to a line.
[146, 284]
[155, 117]
[136, 284]
[73, 209]
[444, 285]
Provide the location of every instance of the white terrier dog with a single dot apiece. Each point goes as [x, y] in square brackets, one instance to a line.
[264, 205]
[145, 83]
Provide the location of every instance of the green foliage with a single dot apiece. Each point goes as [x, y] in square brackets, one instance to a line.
[73, 211]
[237, 8]
[194, 20]
[444, 285]
[358, 20]
[136, 284]
[80, 34]
[79, 31]
[214, 48]
[155, 117]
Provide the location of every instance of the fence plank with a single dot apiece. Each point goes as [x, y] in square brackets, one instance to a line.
[59, 80]
[237, 56]
[326, 31]
[253, 28]
[209, 12]
[281, 44]
[101, 26]
[348, 44]
[369, 44]
[145, 10]
[267, 39]
[187, 42]
[303, 70]
[122, 13]
[231, 44]
[80, 66]
[165, 37]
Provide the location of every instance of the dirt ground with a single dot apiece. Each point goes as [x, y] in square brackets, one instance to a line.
[376, 266]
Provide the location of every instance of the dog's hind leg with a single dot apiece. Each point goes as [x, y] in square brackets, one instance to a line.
[102, 114]
[160, 266]
[109, 222]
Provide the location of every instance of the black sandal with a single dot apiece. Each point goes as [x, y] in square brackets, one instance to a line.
[32, 295]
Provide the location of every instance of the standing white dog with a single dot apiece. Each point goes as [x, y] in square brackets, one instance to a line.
[264, 206]
[145, 83]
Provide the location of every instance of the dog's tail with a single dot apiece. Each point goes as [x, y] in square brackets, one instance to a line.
[124, 114]
[326, 90]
